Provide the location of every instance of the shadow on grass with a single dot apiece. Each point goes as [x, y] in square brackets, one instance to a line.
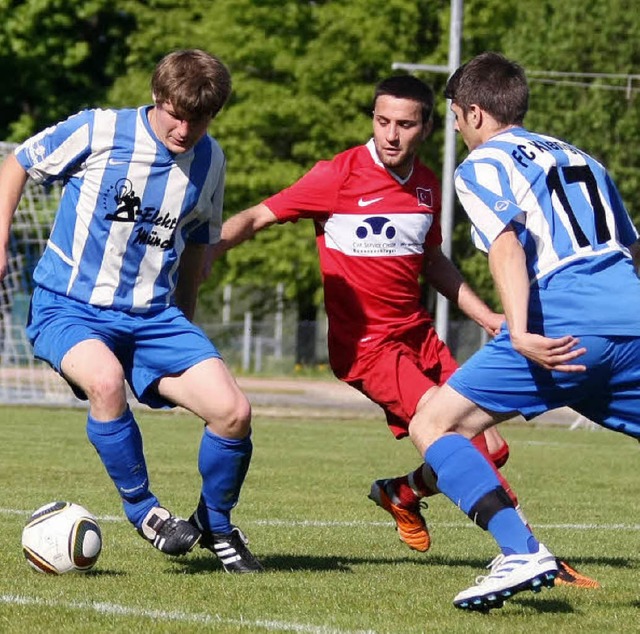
[610, 562]
[539, 605]
[101, 572]
[543, 605]
[202, 562]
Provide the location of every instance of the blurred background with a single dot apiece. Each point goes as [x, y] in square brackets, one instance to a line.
[303, 75]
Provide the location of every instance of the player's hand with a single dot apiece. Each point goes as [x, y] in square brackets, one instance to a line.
[551, 354]
[493, 324]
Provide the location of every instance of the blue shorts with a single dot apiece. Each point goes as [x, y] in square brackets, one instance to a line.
[148, 345]
[499, 379]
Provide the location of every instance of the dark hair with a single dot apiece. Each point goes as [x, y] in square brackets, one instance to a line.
[407, 87]
[495, 84]
[196, 83]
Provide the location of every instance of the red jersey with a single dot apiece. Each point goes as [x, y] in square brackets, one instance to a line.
[372, 228]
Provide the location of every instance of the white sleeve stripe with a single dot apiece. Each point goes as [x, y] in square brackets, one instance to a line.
[58, 161]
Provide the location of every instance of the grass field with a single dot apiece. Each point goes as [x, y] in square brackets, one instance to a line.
[335, 564]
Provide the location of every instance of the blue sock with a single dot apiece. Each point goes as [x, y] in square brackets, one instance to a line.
[119, 445]
[223, 465]
[465, 477]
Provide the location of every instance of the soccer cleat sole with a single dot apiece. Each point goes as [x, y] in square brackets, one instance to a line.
[496, 599]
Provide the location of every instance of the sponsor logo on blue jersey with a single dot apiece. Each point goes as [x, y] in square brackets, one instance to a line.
[128, 209]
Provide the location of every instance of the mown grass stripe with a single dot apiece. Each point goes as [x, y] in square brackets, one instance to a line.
[114, 609]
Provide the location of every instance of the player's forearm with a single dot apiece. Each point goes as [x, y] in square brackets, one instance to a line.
[444, 276]
[507, 262]
[187, 302]
[475, 308]
[243, 226]
[12, 181]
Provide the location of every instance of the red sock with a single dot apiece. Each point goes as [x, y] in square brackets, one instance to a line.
[500, 457]
[401, 492]
[407, 490]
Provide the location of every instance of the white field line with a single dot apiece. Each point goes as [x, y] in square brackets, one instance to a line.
[320, 524]
[214, 619]
[113, 609]
[355, 523]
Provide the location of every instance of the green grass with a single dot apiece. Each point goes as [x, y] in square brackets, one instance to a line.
[334, 562]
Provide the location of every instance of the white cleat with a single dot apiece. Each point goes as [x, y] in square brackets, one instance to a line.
[509, 575]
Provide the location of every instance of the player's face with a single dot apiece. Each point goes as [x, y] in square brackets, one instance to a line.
[398, 131]
[178, 135]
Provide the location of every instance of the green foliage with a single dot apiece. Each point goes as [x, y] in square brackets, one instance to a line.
[57, 57]
[303, 80]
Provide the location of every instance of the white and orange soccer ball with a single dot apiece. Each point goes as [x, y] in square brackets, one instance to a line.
[62, 537]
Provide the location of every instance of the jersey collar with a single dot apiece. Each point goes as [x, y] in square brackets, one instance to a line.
[371, 146]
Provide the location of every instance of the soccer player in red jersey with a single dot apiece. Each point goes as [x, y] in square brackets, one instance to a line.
[376, 209]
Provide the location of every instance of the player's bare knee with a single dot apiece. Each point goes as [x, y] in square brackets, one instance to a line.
[234, 421]
[106, 389]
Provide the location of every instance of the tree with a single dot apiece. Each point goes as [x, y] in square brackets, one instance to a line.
[303, 75]
[303, 81]
[57, 57]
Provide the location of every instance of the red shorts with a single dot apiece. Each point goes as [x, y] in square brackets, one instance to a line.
[398, 372]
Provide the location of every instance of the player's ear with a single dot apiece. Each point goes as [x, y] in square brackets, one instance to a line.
[475, 115]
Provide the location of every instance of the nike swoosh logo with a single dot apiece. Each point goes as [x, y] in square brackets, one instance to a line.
[365, 203]
[115, 162]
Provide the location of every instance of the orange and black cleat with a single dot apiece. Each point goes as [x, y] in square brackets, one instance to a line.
[411, 527]
[568, 576]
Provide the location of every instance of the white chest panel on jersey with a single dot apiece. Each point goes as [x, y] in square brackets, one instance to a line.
[383, 235]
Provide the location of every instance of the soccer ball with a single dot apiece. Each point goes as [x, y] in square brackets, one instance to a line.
[61, 537]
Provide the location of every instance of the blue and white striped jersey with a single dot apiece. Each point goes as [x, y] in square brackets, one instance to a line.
[572, 224]
[128, 207]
